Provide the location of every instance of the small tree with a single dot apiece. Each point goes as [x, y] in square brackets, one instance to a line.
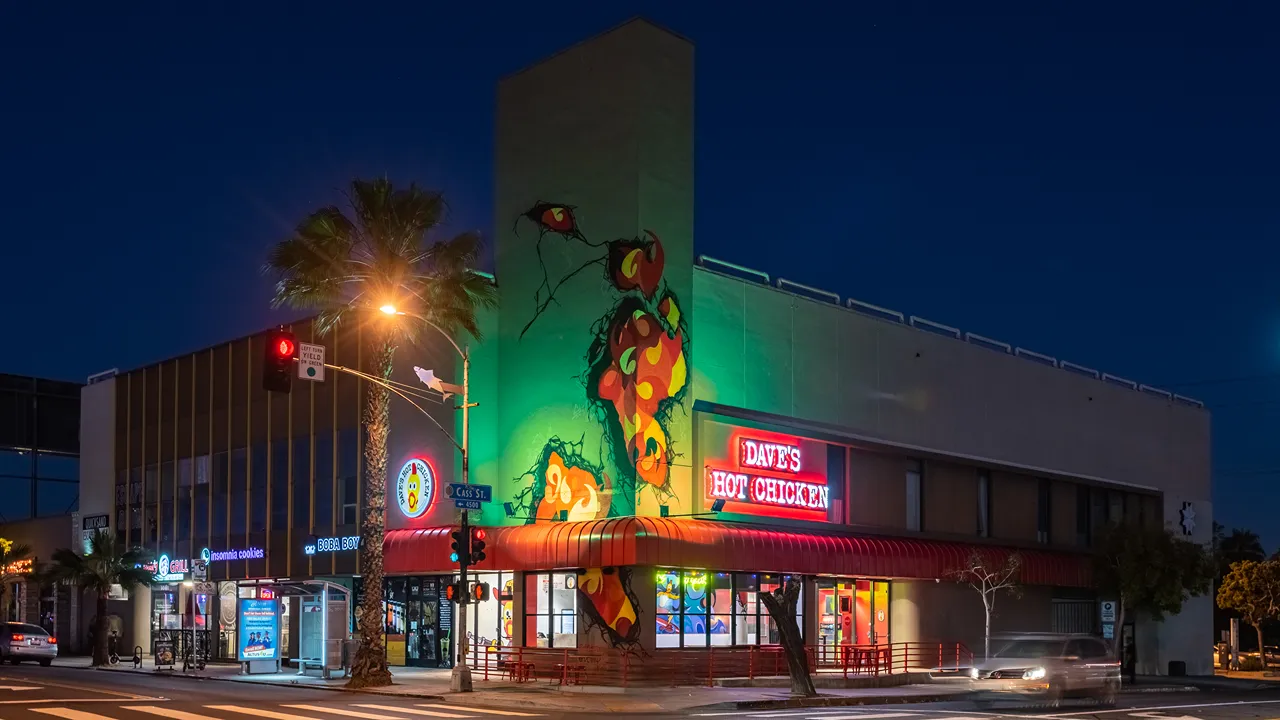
[987, 573]
[107, 563]
[1252, 589]
[1149, 570]
[14, 566]
[781, 604]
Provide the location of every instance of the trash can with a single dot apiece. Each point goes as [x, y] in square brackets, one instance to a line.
[1177, 668]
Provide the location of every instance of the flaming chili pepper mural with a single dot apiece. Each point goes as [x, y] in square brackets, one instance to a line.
[564, 484]
[610, 606]
[636, 376]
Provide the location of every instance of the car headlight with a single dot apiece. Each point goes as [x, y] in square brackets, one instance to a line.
[973, 673]
[1034, 674]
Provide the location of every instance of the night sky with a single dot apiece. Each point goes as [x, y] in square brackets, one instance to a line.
[1095, 182]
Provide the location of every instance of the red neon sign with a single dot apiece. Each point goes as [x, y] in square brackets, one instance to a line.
[768, 475]
[764, 455]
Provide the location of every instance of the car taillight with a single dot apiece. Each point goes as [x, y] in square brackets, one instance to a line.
[17, 637]
[52, 640]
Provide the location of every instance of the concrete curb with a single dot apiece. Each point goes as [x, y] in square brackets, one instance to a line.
[834, 701]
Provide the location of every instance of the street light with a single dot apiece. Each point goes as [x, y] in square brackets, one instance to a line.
[460, 679]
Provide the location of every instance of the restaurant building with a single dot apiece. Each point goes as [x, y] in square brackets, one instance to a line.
[666, 438]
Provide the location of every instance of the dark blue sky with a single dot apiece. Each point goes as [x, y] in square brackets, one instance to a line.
[1096, 181]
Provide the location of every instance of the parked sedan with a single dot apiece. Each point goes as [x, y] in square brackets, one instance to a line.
[20, 641]
[1049, 666]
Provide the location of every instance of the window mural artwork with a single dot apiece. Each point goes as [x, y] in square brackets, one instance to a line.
[610, 606]
[636, 376]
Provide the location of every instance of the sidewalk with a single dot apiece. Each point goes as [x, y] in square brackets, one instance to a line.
[434, 684]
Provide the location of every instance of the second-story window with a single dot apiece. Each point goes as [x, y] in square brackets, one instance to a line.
[914, 497]
[984, 503]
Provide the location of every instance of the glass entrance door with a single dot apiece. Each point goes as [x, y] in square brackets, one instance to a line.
[851, 612]
[422, 610]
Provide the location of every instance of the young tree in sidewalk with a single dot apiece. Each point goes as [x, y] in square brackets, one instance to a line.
[1149, 570]
[990, 574]
[1252, 590]
[375, 269]
[107, 563]
[781, 604]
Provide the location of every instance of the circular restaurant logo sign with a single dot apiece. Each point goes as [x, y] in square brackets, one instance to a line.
[164, 565]
[415, 487]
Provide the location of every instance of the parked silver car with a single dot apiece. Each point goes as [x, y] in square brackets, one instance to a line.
[20, 641]
[1049, 666]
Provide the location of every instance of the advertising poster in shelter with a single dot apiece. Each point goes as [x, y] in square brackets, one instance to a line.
[259, 629]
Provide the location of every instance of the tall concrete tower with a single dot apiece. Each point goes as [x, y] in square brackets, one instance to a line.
[594, 203]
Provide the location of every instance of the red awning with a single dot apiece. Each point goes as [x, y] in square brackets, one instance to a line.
[717, 546]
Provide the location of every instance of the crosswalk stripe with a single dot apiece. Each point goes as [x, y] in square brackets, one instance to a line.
[258, 711]
[167, 712]
[414, 711]
[70, 714]
[353, 713]
[488, 711]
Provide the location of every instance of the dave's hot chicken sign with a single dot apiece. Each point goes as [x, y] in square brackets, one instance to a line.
[769, 474]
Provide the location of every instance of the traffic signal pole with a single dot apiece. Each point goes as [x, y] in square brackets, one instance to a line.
[460, 679]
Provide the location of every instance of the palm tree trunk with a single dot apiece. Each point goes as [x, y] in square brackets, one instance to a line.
[369, 668]
[100, 632]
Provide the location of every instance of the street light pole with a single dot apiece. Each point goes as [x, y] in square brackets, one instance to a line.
[460, 678]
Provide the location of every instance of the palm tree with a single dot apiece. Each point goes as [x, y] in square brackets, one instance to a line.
[107, 563]
[347, 268]
[14, 566]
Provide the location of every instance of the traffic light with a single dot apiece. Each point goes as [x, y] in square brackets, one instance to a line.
[277, 361]
[459, 554]
[480, 591]
[453, 592]
[477, 545]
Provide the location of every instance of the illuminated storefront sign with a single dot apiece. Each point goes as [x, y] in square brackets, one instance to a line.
[165, 570]
[253, 553]
[768, 474]
[415, 487]
[332, 544]
[766, 490]
[768, 456]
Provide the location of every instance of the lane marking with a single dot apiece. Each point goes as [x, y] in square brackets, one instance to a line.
[167, 712]
[1235, 703]
[259, 711]
[82, 688]
[489, 711]
[70, 714]
[349, 713]
[19, 687]
[46, 701]
[411, 711]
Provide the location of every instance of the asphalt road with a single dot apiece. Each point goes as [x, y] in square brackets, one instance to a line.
[1137, 706]
[36, 693]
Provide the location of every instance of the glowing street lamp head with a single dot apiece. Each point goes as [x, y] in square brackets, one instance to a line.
[388, 309]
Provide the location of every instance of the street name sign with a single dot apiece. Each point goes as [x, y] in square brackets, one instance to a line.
[477, 493]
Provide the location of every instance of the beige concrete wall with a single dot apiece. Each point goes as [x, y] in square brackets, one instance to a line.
[946, 612]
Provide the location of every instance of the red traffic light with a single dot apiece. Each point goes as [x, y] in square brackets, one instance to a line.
[478, 533]
[284, 347]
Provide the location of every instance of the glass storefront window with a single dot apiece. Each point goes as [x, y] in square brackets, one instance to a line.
[551, 610]
[696, 608]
